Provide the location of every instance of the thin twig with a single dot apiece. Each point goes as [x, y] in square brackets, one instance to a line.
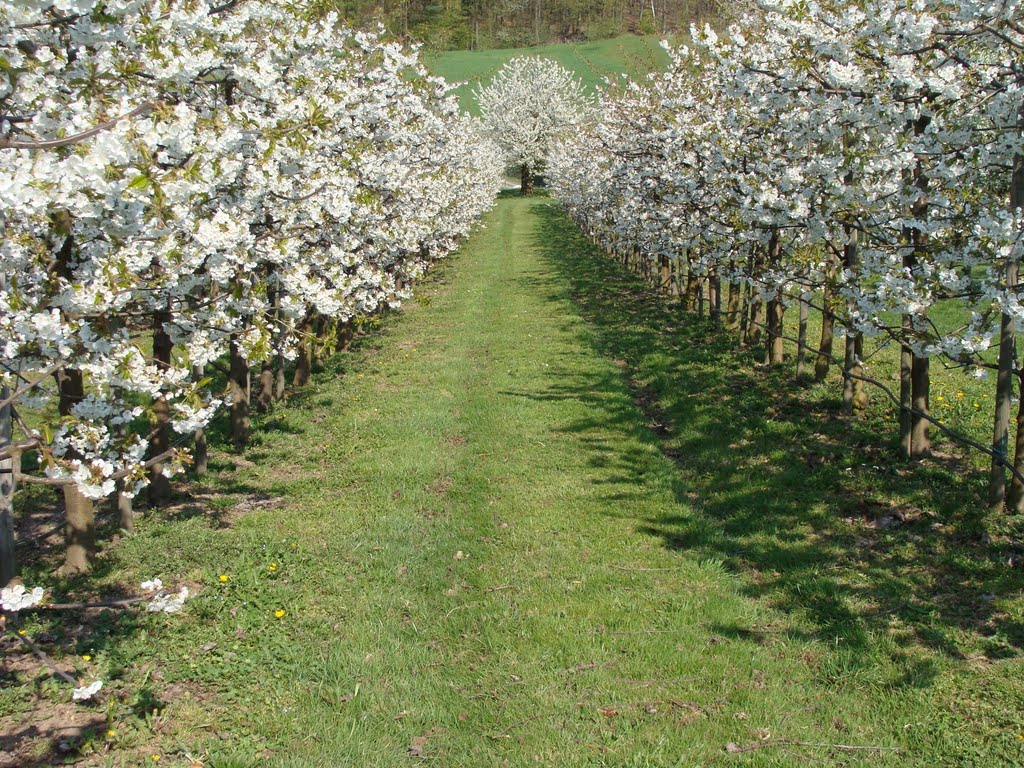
[125, 603]
[9, 143]
[43, 535]
[641, 570]
[504, 733]
[666, 680]
[737, 749]
[47, 660]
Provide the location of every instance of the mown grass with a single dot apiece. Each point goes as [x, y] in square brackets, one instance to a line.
[542, 518]
[591, 62]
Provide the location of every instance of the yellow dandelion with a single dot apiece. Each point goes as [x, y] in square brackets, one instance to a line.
[86, 657]
[156, 758]
[959, 394]
[940, 398]
[279, 613]
[22, 632]
[111, 733]
[272, 567]
[224, 579]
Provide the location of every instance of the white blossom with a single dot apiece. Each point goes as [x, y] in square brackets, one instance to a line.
[17, 598]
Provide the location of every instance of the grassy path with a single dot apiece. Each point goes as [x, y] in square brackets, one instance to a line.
[471, 569]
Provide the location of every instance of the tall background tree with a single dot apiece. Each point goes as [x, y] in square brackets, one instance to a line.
[530, 106]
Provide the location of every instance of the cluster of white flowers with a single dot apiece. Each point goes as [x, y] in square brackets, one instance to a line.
[17, 598]
[86, 692]
[162, 601]
[210, 176]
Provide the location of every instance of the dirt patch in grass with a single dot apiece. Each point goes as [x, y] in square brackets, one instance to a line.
[441, 486]
[47, 734]
[218, 508]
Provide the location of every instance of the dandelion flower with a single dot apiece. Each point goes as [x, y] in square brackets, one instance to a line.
[279, 613]
[86, 657]
[223, 578]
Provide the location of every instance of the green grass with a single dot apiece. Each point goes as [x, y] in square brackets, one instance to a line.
[542, 518]
[591, 62]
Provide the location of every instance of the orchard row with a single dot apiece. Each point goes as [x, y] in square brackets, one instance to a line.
[861, 159]
[190, 193]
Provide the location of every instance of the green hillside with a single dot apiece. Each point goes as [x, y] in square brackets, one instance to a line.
[592, 62]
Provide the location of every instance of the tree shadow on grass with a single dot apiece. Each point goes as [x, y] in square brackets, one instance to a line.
[814, 510]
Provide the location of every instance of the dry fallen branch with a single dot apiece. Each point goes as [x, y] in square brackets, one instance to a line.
[641, 570]
[735, 749]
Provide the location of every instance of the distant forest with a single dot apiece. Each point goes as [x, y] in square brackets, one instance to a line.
[480, 24]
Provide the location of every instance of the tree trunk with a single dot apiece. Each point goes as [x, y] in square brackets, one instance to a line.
[754, 325]
[304, 363]
[125, 509]
[906, 389]
[744, 319]
[1015, 498]
[732, 303]
[1007, 360]
[345, 334]
[801, 347]
[828, 322]
[279, 379]
[854, 396]
[8, 564]
[265, 396]
[79, 515]
[159, 485]
[1004, 397]
[776, 314]
[715, 297]
[238, 381]
[677, 279]
[201, 455]
[776, 308]
[526, 180]
[920, 444]
[851, 368]
[79, 531]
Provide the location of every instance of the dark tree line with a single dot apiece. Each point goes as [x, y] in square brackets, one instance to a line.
[478, 24]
